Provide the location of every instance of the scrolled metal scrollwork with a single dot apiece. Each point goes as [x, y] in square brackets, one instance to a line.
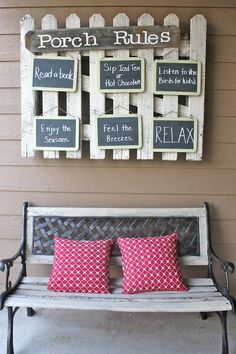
[5, 266]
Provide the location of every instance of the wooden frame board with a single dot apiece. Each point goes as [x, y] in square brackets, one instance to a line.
[174, 92]
[115, 117]
[116, 78]
[84, 38]
[76, 133]
[52, 59]
[171, 134]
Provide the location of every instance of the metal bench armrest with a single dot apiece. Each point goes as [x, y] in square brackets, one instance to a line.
[5, 266]
[9, 261]
[228, 269]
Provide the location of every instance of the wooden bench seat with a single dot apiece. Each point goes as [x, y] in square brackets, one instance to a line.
[202, 296]
[41, 224]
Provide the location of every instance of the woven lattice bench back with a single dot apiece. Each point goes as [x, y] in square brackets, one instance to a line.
[96, 228]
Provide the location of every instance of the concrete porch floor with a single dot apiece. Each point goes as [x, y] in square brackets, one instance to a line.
[86, 332]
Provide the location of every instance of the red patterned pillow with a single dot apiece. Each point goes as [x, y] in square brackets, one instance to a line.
[80, 266]
[150, 264]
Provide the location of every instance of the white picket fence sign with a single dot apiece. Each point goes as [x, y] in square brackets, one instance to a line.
[192, 46]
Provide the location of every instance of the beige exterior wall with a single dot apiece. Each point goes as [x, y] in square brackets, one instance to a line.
[124, 183]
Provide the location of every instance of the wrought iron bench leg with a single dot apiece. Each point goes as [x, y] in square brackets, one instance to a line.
[30, 312]
[10, 349]
[223, 319]
[11, 313]
[204, 315]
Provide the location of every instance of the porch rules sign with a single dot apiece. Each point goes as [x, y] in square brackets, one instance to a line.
[102, 38]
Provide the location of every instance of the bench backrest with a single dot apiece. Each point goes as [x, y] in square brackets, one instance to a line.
[41, 224]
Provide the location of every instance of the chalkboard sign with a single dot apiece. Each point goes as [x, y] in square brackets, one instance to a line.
[123, 131]
[56, 133]
[175, 135]
[121, 75]
[182, 77]
[54, 74]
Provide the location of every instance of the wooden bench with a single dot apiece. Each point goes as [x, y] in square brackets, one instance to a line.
[195, 249]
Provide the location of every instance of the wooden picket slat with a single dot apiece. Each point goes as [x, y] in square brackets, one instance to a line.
[50, 99]
[170, 103]
[74, 99]
[121, 100]
[145, 99]
[198, 28]
[28, 96]
[97, 99]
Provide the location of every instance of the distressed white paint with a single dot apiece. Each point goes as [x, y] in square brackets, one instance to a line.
[74, 99]
[33, 292]
[50, 99]
[193, 283]
[121, 100]
[28, 96]
[170, 103]
[184, 261]
[145, 100]
[117, 212]
[97, 99]
[198, 27]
